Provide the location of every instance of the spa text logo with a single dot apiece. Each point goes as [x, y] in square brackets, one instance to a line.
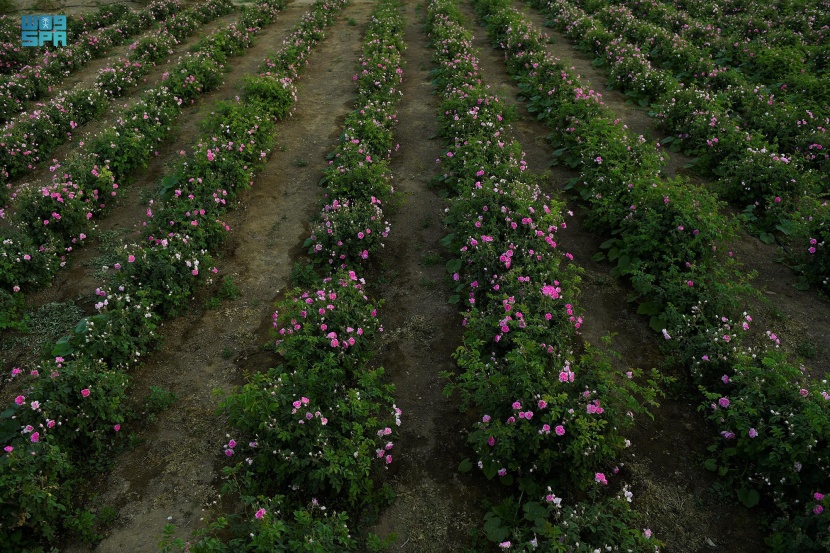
[37, 30]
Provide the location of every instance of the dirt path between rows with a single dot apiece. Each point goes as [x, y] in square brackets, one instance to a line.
[436, 506]
[172, 475]
[664, 464]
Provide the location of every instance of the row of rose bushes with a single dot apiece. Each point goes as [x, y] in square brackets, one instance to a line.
[68, 416]
[14, 56]
[49, 222]
[798, 84]
[35, 135]
[780, 191]
[773, 441]
[791, 22]
[713, 115]
[32, 82]
[312, 434]
[35, 81]
[766, 53]
[550, 407]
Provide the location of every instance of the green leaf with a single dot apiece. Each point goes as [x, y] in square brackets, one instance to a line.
[624, 264]
[649, 308]
[749, 497]
[80, 328]
[607, 244]
[802, 284]
[465, 466]
[168, 183]
[766, 238]
[495, 531]
[657, 323]
[599, 256]
[453, 266]
[63, 348]
[447, 240]
[723, 470]
[710, 464]
[534, 511]
[455, 298]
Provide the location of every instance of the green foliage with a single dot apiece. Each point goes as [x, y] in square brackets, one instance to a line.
[159, 400]
[227, 291]
[303, 276]
[86, 398]
[323, 442]
[332, 327]
[41, 489]
[554, 525]
[12, 316]
[774, 426]
[275, 96]
[349, 232]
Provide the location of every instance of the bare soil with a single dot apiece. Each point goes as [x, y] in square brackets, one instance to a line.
[436, 506]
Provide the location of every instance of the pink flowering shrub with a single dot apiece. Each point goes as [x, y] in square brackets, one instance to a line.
[348, 233]
[74, 404]
[333, 326]
[165, 270]
[773, 424]
[544, 412]
[571, 429]
[312, 432]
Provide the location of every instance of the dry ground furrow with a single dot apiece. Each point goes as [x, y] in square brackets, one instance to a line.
[78, 281]
[665, 460]
[173, 473]
[435, 505]
[801, 318]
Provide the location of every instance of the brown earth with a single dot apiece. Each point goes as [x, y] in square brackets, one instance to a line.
[436, 506]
